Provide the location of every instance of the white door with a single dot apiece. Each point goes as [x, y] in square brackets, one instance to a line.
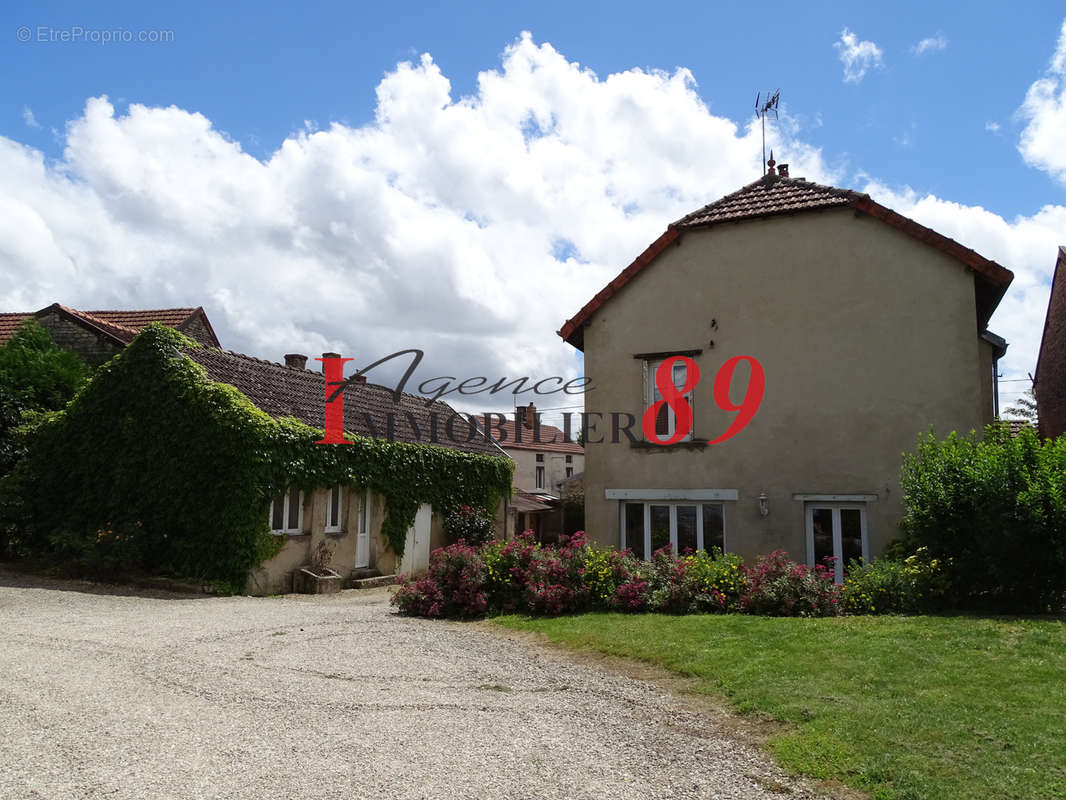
[416, 549]
[362, 536]
[836, 530]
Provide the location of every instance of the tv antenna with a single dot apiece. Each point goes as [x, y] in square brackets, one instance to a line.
[761, 110]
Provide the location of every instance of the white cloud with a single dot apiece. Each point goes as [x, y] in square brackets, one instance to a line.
[1043, 142]
[992, 127]
[931, 44]
[29, 118]
[857, 56]
[468, 227]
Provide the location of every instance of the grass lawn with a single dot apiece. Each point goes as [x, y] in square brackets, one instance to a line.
[900, 707]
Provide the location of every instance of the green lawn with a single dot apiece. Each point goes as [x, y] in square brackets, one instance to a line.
[900, 707]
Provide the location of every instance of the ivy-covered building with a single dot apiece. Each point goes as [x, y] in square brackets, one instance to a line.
[201, 463]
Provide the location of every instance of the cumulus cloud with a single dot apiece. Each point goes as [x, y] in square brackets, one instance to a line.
[1043, 142]
[857, 56]
[931, 44]
[29, 118]
[469, 227]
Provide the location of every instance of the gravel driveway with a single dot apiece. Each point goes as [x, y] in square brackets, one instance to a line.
[140, 696]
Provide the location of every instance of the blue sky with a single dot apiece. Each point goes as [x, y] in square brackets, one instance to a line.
[259, 70]
[933, 130]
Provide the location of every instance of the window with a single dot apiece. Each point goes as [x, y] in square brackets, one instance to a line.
[540, 477]
[540, 458]
[286, 511]
[665, 420]
[569, 472]
[648, 526]
[836, 531]
[569, 459]
[334, 514]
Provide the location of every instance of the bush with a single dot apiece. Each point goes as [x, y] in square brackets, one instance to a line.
[453, 586]
[887, 586]
[779, 587]
[555, 583]
[997, 509]
[469, 524]
[614, 580]
[718, 581]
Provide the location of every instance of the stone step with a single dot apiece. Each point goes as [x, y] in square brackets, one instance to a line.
[372, 582]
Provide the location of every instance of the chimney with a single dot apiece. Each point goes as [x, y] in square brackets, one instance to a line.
[782, 170]
[296, 360]
[529, 415]
[329, 355]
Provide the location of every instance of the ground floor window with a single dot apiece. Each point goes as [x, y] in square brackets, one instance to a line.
[334, 517]
[837, 531]
[287, 512]
[685, 527]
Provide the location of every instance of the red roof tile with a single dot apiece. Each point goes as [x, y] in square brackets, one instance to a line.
[10, 321]
[551, 439]
[121, 326]
[773, 195]
[172, 317]
[283, 391]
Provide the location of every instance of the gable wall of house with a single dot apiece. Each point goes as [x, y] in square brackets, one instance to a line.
[867, 338]
[196, 329]
[94, 347]
[1050, 385]
[525, 470]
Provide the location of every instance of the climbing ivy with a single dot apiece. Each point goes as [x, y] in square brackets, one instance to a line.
[179, 471]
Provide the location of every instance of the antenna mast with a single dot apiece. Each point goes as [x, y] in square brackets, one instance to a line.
[761, 111]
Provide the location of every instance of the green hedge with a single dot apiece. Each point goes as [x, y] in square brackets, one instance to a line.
[993, 511]
[154, 465]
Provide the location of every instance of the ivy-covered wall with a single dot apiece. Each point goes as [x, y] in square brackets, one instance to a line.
[156, 466]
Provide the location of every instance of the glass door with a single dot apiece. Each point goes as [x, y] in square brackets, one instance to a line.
[836, 531]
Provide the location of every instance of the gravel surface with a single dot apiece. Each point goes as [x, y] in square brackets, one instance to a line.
[119, 694]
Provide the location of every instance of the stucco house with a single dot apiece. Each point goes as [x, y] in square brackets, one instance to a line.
[543, 456]
[98, 335]
[1049, 382]
[870, 328]
[347, 517]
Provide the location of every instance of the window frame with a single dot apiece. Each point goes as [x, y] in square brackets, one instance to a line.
[338, 526]
[837, 537]
[538, 479]
[673, 506]
[651, 365]
[286, 495]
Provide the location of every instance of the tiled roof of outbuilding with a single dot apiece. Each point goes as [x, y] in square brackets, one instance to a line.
[283, 391]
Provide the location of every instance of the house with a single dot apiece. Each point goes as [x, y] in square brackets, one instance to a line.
[869, 329]
[1049, 383]
[347, 517]
[98, 335]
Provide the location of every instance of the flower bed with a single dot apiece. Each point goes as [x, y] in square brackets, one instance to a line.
[522, 576]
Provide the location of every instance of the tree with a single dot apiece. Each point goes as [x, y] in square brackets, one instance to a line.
[1024, 407]
[36, 375]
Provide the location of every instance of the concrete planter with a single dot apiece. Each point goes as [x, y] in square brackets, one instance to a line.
[306, 581]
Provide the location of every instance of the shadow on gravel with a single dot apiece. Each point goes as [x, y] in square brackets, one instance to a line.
[156, 588]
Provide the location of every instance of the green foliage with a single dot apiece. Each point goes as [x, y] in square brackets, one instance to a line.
[36, 375]
[997, 509]
[468, 524]
[1024, 407]
[886, 586]
[187, 468]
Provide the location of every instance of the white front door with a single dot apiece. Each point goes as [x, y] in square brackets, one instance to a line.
[838, 531]
[416, 548]
[362, 536]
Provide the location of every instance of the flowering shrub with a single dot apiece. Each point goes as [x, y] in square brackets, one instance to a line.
[886, 586]
[555, 583]
[508, 566]
[468, 524]
[718, 581]
[453, 586]
[614, 580]
[779, 587]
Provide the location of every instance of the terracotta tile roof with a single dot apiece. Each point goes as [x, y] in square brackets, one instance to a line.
[10, 321]
[121, 326]
[1050, 379]
[551, 439]
[766, 198]
[283, 391]
[773, 195]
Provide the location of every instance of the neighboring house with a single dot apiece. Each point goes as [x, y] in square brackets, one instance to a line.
[348, 517]
[98, 335]
[1049, 383]
[870, 329]
[543, 458]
